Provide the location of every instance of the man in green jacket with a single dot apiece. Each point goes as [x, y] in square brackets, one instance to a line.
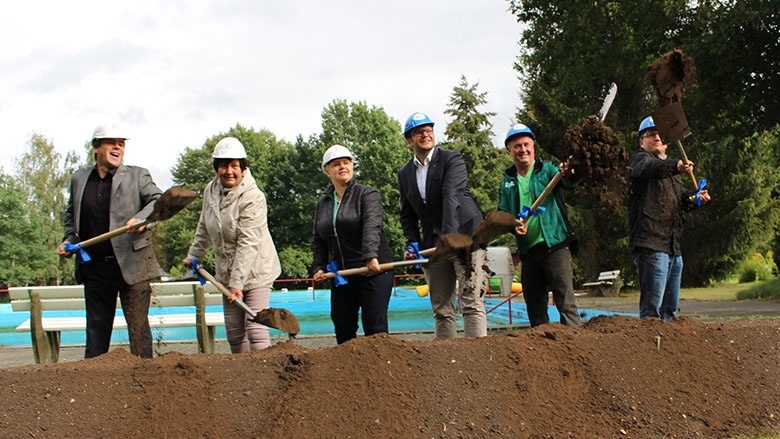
[544, 238]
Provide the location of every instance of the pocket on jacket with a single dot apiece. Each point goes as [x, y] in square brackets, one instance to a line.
[143, 242]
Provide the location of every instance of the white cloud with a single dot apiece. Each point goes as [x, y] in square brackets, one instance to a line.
[177, 72]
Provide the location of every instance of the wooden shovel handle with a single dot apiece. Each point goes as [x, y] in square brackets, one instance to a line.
[382, 267]
[547, 190]
[110, 234]
[222, 289]
[685, 159]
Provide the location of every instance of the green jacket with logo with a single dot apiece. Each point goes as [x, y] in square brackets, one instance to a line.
[554, 221]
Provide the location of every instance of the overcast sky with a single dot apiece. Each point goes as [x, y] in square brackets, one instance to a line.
[175, 72]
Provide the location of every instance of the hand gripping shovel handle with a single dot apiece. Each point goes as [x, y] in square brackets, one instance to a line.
[112, 233]
[608, 100]
[165, 207]
[277, 318]
[382, 267]
[222, 289]
[685, 158]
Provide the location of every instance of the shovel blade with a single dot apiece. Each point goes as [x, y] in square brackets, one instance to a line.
[671, 123]
[171, 202]
[495, 224]
[279, 318]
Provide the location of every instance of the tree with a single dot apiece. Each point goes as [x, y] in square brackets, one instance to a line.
[470, 133]
[45, 178]
[573, 48]
[380, 149]
[26, 258]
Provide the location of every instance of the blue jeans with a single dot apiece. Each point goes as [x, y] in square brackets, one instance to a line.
[659, 284]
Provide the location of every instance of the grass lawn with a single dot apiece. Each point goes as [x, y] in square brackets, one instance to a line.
[727, 291]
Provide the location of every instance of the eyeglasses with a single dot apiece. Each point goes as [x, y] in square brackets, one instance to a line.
[423, 132]
[651, 134]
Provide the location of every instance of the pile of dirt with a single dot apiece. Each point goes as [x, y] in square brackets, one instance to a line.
[612, 377]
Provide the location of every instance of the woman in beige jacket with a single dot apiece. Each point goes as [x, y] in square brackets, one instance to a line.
[233, 222]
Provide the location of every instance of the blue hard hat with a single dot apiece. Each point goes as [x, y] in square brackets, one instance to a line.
[518, 129]
[646, 124]
[416, 120]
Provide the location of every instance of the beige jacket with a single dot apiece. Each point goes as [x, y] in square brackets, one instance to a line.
[234, 222]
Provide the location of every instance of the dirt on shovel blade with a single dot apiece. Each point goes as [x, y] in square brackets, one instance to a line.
[279, 318]
[453, 245]
[669, 73]
[598, 161]
[495, 224]
[171, 202]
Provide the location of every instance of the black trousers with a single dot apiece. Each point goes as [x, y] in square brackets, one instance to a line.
[102, 283]
[544, 271]
[367, 296]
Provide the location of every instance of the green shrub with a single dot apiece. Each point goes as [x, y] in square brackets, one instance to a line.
[757, 267]
[769, 290]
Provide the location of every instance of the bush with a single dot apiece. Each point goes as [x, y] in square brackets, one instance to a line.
[769, 290]
[757, 267]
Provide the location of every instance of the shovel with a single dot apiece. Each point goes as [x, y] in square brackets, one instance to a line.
[169, 204]
[495, 224]
[277, 318]
[607, 104]
[673, 126]
[382, 267]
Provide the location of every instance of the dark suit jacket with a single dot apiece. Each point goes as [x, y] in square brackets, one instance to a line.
[449, 207]
[133, 194]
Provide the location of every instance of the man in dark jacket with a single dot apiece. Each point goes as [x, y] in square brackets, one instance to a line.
[656, 203]
[106, 197]
[544, 238]
[435, 196]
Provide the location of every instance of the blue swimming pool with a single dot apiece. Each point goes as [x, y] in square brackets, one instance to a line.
[407, 313]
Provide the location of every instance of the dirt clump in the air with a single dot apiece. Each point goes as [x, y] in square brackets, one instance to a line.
[611, 377]
[668, 75]
[597, 160]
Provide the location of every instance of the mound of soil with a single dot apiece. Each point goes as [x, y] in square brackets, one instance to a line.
[612, 377]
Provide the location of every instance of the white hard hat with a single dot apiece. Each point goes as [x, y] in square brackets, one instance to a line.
[109, 131]
[335, 152]
[229, 148]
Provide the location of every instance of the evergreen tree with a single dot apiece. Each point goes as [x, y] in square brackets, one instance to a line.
[469, 132]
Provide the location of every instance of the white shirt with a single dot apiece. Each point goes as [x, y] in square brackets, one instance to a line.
[422, 172]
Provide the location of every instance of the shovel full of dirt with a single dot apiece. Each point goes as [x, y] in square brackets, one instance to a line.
[169, 204]
[277, 318]
[668, 75]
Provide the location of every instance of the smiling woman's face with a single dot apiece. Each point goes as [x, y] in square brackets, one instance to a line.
[230, 173]
[340, 170]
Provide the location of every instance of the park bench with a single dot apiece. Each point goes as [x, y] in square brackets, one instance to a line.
[608, 284]
[45, 330]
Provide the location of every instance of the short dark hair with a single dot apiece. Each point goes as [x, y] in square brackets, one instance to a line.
[241, 162]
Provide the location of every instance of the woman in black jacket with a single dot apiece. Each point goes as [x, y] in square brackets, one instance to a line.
[348, 234]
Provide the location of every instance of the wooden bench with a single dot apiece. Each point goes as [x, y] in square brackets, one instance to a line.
[607, 285]
[45, 331]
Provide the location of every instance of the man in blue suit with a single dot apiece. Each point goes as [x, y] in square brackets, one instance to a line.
[104, 197]
[435, 197]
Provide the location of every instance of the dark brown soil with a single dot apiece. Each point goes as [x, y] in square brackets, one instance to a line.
[171, 202]
[597, 159]
[612, 377]
[668, 75]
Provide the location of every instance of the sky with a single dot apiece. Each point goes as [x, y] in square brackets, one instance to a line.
[177, 72]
